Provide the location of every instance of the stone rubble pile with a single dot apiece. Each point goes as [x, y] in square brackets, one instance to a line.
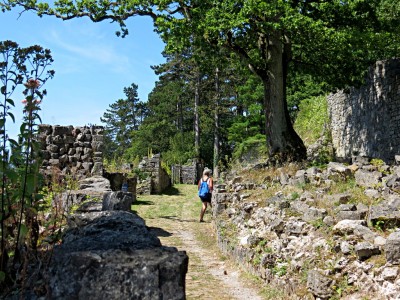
[315, 243]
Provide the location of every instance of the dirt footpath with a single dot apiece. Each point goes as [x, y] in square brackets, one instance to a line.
[174, 218]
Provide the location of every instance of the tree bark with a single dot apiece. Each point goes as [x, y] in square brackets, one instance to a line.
[197, 117]
[216, 125]
[282, 139]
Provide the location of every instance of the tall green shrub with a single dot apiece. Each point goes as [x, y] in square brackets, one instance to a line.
[312, 118]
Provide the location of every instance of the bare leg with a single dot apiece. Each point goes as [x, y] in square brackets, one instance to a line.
[203, 210]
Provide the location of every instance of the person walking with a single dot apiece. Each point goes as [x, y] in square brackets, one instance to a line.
[205, 188]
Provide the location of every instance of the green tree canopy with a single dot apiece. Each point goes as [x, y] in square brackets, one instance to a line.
[333, 40]
[121, 119]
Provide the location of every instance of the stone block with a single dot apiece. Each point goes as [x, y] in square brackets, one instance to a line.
[319, 285]
[367, 179]
[87, 151]
[392, 248]
[97, 146]
[61, 130]
[45, 129]
[117, 201]
[313, 214]
[58, 139]
[69, 139]
[97, 159]
[52, 148]
[97, 169]
[72, 159]
[97, 130]
[79, 150]
[86, 158]
[365, 250]
[97, 138]
[64, 159]
[54, 162]
[80, 137]
[87, 166]
[350, 215]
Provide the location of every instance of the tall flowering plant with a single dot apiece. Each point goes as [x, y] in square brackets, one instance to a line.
[12, 69]
[38, 59]
[19, 169]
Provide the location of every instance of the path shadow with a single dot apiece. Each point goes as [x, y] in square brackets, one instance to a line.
[175, 218]
[143, 202]
[159, 231]
[171, 191]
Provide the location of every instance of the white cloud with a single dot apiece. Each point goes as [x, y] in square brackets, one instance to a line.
[75, 49]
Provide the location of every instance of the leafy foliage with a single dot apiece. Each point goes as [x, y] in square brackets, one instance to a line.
[251, 149]
[312, 118]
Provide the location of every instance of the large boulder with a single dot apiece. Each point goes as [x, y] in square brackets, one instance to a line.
[112, 255]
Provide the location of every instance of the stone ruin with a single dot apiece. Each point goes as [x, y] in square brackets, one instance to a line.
[157, 179]
[71, 150]
[366, 121]
[189, 173]
[107, 250]
[78, 151]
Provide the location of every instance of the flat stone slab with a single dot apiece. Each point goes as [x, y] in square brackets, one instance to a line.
[112, 255]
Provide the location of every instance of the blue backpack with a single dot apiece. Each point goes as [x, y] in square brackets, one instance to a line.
[204, 190]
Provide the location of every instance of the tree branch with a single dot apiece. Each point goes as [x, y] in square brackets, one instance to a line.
[243, 54]
[93, 16]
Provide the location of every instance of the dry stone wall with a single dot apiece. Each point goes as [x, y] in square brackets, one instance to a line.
[187, 174]
[71, 150]
[159, 178]
[366, 121]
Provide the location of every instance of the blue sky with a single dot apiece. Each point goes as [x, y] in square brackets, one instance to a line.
[92, 64]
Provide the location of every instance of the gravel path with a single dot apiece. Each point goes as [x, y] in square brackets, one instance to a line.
[209, 275]
[232, 285]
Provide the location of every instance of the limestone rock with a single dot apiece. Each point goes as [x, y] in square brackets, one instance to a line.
[117, 201]
[319, 285]
[365, 250]
[95, 183]
[367, 179]
[392, 248]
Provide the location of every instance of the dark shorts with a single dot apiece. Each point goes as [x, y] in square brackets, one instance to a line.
[206, 198]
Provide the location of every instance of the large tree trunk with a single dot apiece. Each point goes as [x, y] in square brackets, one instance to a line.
[282, 140]
[216, 125]
[197, 117]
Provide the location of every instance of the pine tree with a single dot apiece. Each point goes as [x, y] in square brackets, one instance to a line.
[122, 118]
